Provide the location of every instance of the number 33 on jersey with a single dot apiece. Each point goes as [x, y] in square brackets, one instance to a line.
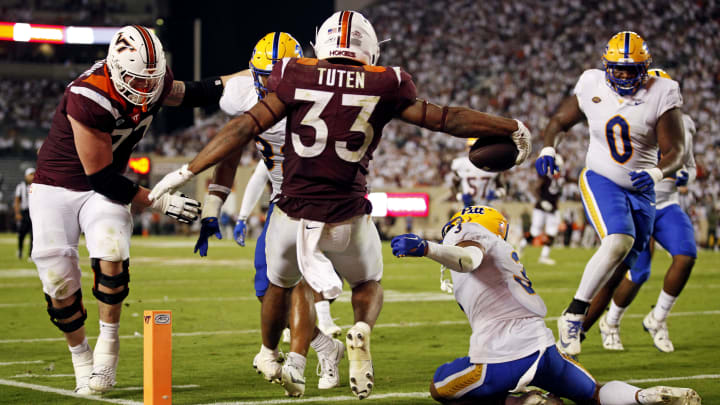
[622, 135]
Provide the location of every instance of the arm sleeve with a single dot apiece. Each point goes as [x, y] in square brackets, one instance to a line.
[253, 190]
[239, 95]
[461, 259]
[671, 98]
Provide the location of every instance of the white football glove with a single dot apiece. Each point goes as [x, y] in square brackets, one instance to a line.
[500, 192]
[523, 141]
[171, 182]
[178, 206]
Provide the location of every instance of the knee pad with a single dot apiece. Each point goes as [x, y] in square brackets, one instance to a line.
[617, 244]
[59, 314]
[119, 280]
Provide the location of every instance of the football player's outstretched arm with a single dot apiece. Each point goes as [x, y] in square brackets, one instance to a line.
[465, 122]
[200, 93]
[461, 122]
[670, 137]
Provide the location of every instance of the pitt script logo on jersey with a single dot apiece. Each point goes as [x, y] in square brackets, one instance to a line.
[341, 78]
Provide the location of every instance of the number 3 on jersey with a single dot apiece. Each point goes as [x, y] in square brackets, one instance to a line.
[320, 100]
[619, 121]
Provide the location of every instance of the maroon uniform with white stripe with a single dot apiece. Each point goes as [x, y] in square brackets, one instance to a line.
[335, 117]
[92, 100]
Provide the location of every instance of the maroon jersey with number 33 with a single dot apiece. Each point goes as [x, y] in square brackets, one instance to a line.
[335, 117]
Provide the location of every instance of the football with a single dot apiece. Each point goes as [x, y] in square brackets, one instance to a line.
[493, 153]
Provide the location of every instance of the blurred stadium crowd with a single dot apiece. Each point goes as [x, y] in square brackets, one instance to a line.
[516, 59]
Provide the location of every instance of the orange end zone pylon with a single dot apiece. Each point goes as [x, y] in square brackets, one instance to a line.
[157, 357]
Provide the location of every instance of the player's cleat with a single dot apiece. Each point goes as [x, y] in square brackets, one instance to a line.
[268, 364]
[569, 329]
[328, 363]
[546, 260]
[105, 359]
[83, 366]
[362, 378]
[286, 335]
[659, 332]
[292, 380]
[669, 396]
[610, 335]
[330, 329]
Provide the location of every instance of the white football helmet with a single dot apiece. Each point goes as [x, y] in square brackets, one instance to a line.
[137, 64]
[349, 35]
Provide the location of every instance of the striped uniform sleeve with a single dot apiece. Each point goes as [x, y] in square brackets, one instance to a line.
[91, 108]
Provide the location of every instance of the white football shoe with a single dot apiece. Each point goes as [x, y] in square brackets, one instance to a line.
[569, 329]
[330, 329]
[292, 380]
[83, 366]
[610, 335]
[286, 335]
[269, 364]
[328, 363]
[105, 359]
[669, 396]
[546, 260]
[362, 378]
[659, 332]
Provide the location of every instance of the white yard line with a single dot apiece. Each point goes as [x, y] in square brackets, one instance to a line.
[66, 393]
[10, 363]
[382, 325]
[42, 375]
[141, 388]
[326, 399]
[690, 377]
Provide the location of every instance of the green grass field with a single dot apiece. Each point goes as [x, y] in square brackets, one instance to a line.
[216, 328]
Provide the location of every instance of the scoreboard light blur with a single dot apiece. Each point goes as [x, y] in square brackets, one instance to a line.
[56, 34]
[140, 165]
[399, 204]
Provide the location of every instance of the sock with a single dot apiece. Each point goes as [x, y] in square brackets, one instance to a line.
[269, 352]
[297, 360]
[545, 251]
[322, 343]
[618, 393]
[600, 267]
[81, 348]
[614, 314]
[664, 304]
[578, 307]
[109, 331]
[322, 308]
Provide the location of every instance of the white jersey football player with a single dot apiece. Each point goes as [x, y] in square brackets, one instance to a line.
[475, 186]
[630, 115]
[674, 232]
[510, 346]
[241, 93]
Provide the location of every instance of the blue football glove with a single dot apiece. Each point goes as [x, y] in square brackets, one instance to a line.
[409, 244]
[467, 200]
[208, 227]
[681, 178]
[545, 163]
[644, 179]
[239, 232]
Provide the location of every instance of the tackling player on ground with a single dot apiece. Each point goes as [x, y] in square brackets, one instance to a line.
[79, 188]
[510, 346]
[674, 231]
[336, 108]
[241, 93]
[631, 115]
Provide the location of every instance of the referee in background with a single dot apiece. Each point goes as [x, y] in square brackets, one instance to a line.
[22, 211]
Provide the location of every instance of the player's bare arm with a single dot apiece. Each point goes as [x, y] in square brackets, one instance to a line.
[200, 93]
[225, 173]
[458, 121]
[566, 116]
[669, 131]
[238, 132]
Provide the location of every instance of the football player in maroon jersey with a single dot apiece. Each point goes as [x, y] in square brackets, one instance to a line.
[79, 187]
[336, 107]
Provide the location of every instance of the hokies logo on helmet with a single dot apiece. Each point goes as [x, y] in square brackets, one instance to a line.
[339, 52]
